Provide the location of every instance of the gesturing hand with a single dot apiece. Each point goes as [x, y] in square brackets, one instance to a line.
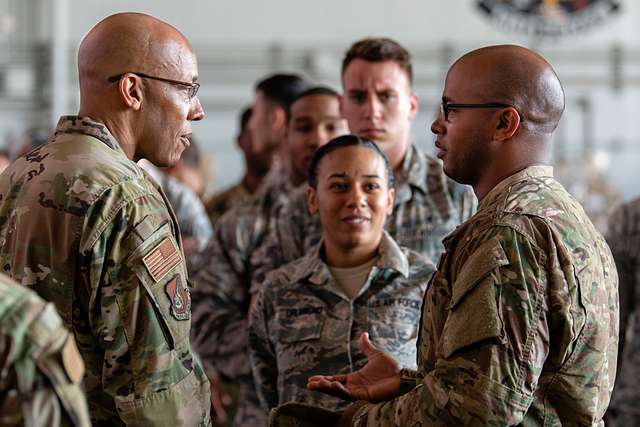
[377, 381]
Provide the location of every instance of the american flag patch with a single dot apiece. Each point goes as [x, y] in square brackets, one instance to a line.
[162, 259]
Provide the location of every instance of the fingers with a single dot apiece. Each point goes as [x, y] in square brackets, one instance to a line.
[366, 346]
[334, 388]
[342, 378]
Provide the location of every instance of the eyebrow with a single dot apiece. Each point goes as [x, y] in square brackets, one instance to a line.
[308, 118]
[344, 175]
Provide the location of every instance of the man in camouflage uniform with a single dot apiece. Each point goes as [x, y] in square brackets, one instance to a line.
[83, 226]
[40, 367]
[624, 239]
[520, 322]
[257, 164]
[222, 300]
[379, 104]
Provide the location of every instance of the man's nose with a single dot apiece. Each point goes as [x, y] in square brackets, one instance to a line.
[197, 112]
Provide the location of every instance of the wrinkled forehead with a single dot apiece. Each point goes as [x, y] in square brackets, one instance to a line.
[175, 57]
[361, 74]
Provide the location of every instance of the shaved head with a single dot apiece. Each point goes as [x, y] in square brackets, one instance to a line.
[131, 42]
[137, 76]
[517, 76]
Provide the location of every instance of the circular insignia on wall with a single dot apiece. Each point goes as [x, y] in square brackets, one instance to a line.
[548, 18]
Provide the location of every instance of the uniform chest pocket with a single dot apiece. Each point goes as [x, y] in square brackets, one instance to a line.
[158, 265]
[297, 324]
[394, 318]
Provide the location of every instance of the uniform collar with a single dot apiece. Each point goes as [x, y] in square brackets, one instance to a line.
[536, 171]
[390, 258]
[87, 126]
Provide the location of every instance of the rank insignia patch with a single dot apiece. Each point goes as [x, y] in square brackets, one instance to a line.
[162, 259]
[180, 299]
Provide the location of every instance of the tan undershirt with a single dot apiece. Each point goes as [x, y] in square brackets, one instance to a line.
[352, 279]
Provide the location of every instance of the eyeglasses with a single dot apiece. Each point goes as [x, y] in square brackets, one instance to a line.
[446, 107]
[192, 88]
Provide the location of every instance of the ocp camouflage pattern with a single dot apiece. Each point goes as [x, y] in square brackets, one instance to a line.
[303, 324]
[520, 322]
[77, 222]
[40, 367]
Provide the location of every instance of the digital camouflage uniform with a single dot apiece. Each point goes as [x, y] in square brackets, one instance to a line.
[221, 300]
[520, 321]
[624, 239]
[427, 206]
[226, 200]
[303, 324]
[40, 367]
[82, 226]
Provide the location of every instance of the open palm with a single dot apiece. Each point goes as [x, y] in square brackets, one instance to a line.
[377, 381]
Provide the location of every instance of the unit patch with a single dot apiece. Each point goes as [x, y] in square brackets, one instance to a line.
[180, 298]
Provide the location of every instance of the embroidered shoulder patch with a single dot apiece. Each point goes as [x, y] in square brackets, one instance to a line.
[162, 259]
[180, 298]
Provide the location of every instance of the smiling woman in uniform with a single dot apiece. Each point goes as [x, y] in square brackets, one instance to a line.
[312, 313]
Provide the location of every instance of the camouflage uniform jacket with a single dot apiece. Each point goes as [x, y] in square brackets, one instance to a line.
[427, 207]
[83, 226]
[221, 298]
[225, 200]
[304, 325]
[520, 322]
[40, 367]
[624, 239]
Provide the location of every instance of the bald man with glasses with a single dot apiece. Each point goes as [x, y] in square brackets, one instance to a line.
[85, 227]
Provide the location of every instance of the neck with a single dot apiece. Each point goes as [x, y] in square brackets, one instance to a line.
[339, 257]
[251, 181]
[397, 154]
[118, 129]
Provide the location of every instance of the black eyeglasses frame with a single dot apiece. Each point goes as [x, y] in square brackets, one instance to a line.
[192, 88]
[446, 107]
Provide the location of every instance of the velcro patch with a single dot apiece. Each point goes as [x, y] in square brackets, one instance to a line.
[162, 259]
[180, 298]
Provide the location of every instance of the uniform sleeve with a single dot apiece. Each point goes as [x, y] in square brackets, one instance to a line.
[140, 315]
[263, 356]
[221, 300]
[40, 369]
[492, 347]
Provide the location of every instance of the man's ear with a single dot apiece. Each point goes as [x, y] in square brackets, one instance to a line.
[413, 100]
[278, 119]
[508, 123]
[341, 105]
[130, 90]
[312, 200]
